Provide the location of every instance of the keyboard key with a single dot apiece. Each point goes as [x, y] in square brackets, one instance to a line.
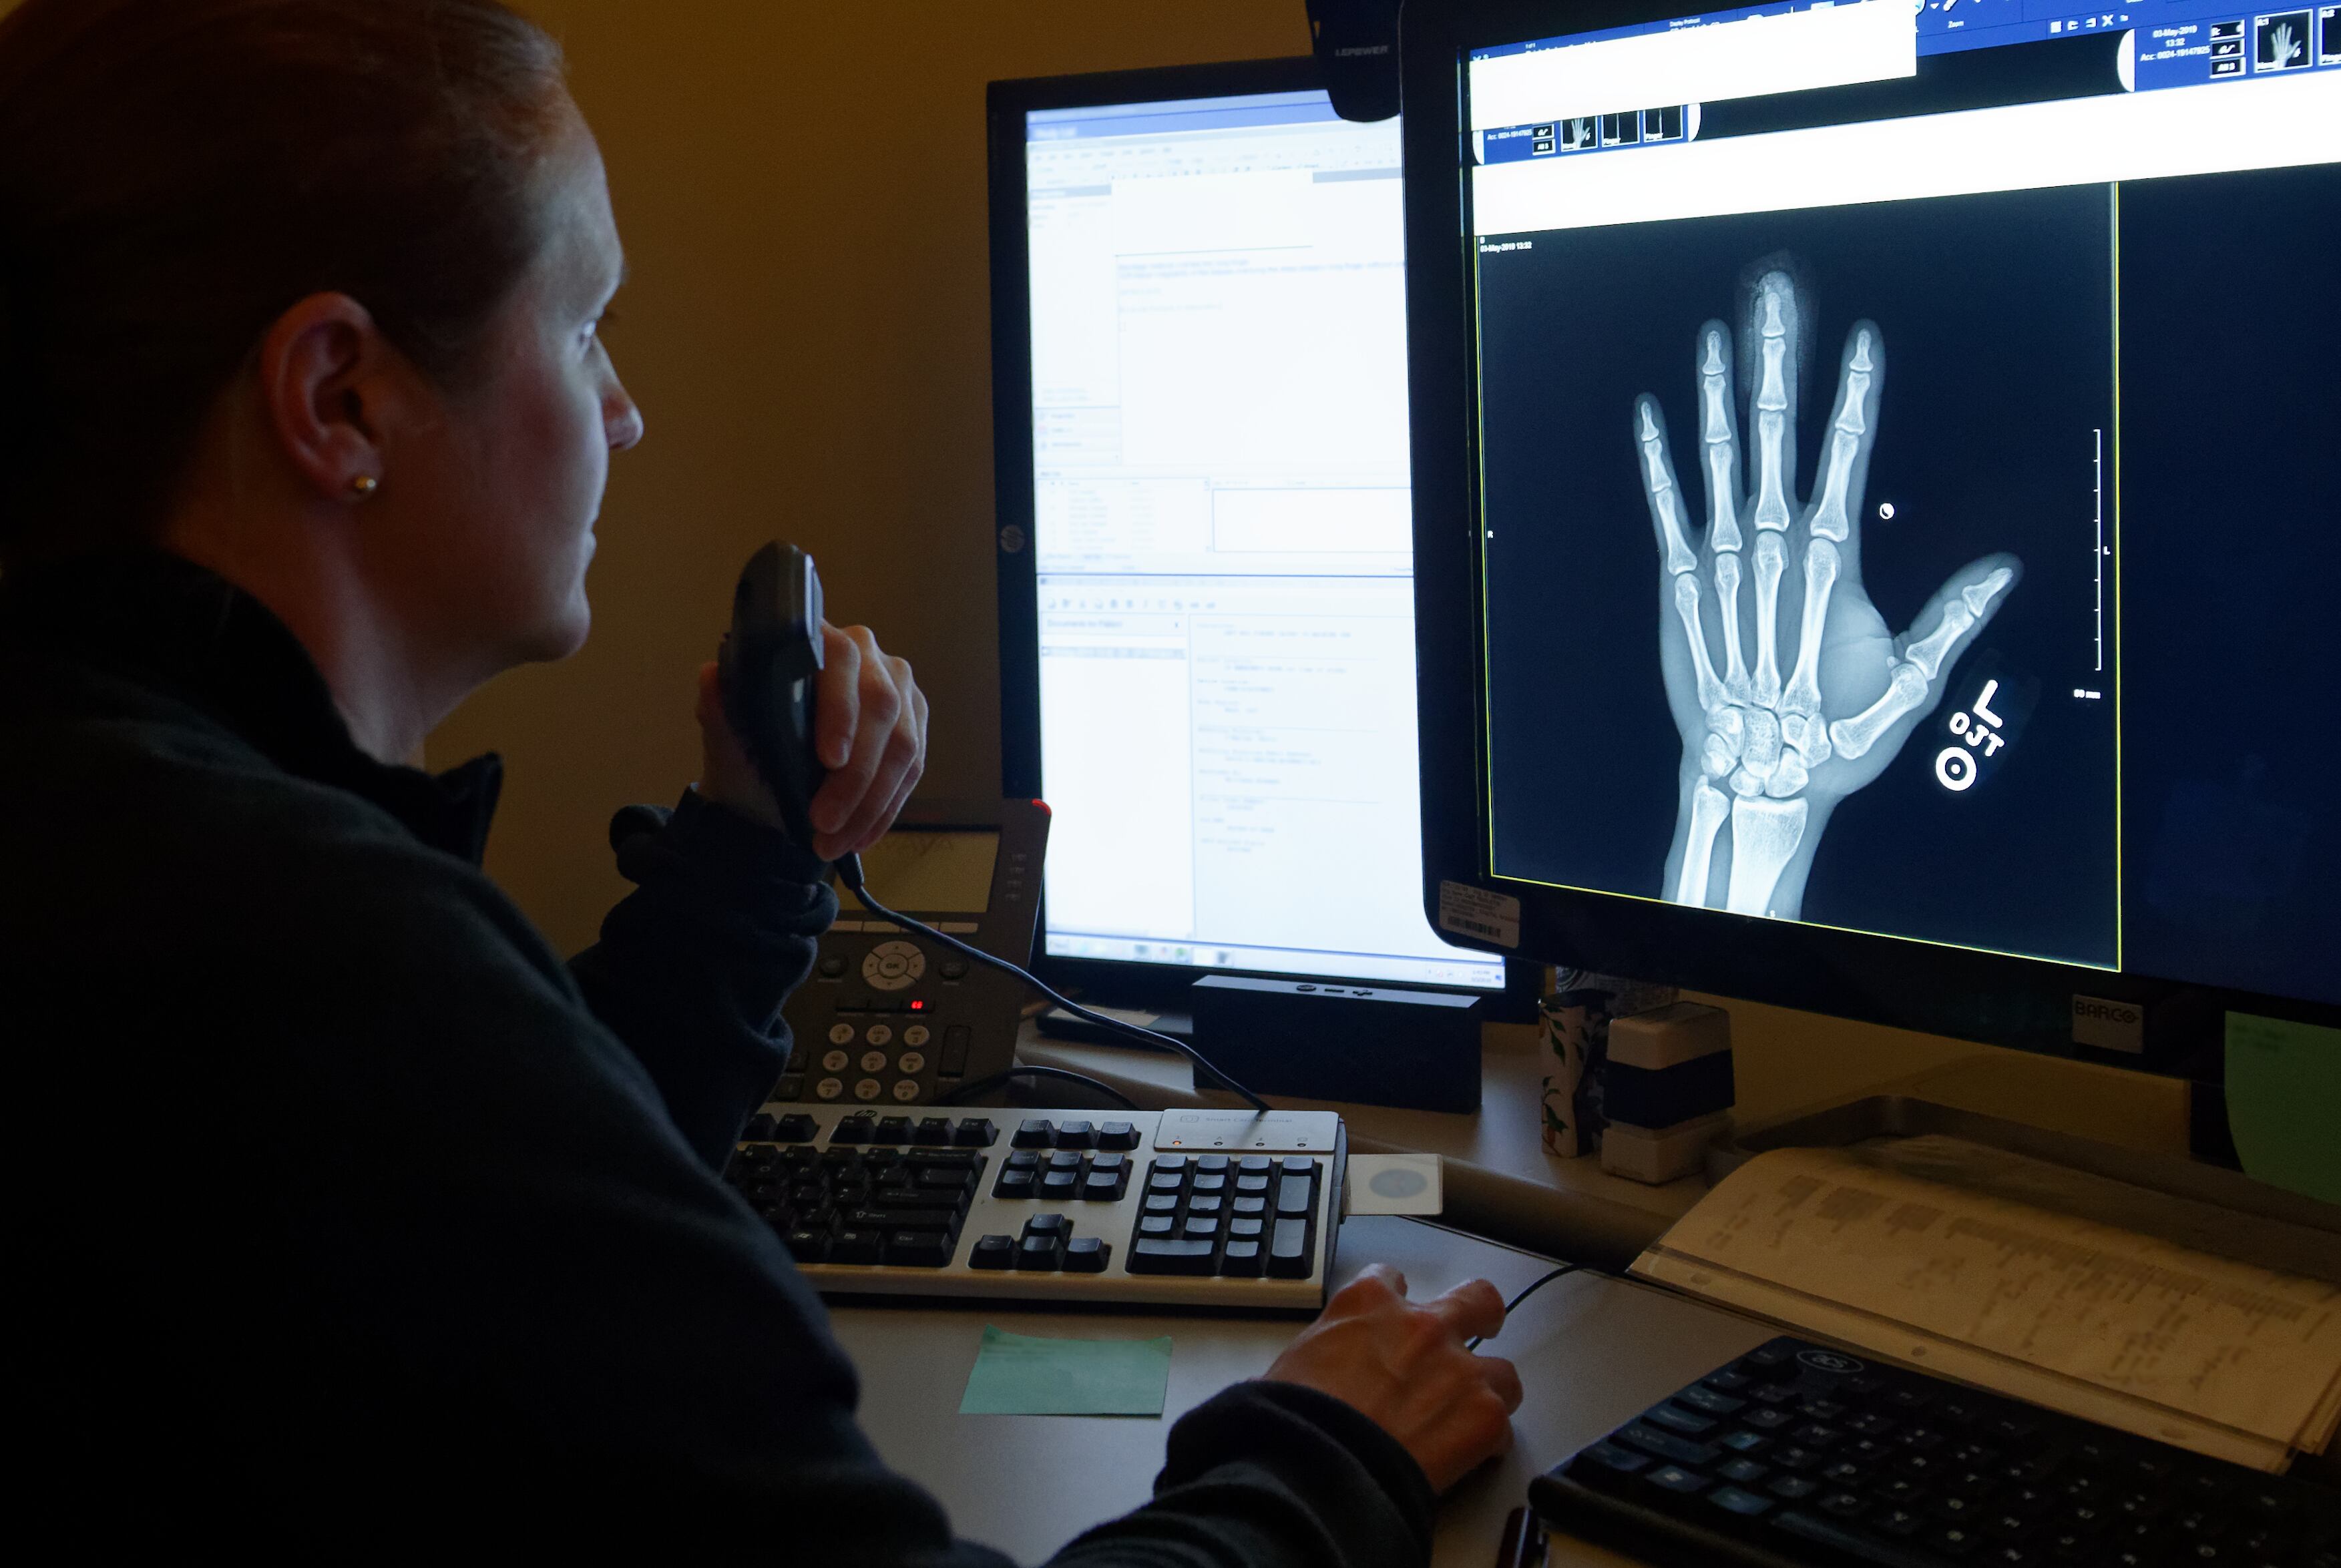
[1076, 1135]
[1254, 1185]
[1675, 1478]
[1158, 1225]
[1034, 1133]
[1676, 1419]
[933, 1130]
[796, 1128]
[856, 1246]
[1117, 1136]
[1250, 1229]
[1154, 1254]
[1055, 1225]
[1087, 1254]
[974, 1131]
[1768, 1420]
[1745, 1441]
[1744, 1471]
[1294, 1197]
[1746, 1504]
[1203, 1206]
[1104, 1186]
[1241, 1260]
[1063, 1160]
[919, 1248]
[1254, 1164]
[1163, 1203]
[1666, 1446]
[1164, 1181]
[1792, 1488]
[1249, 1206]
[807, 1245]
[991, 1252]
[1060, 1187]
[1900, 1523]
[1845, 1504]
[1707, 1401]
[1045, 1252]
[1205, 1227]
[1956, 1541]
[1289, 1249]
[1211, 1183]
[1610, 1456]
[1211, 1165]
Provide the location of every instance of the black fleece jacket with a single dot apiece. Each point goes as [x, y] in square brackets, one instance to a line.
[348, 1206]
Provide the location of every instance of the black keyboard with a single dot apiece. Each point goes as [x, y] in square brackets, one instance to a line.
[1797, 1454]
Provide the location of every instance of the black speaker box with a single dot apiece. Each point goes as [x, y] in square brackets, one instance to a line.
[1366, 1044]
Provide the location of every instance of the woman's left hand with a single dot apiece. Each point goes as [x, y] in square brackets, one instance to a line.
[870, 730]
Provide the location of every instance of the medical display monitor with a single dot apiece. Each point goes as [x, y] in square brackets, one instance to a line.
[1207, 609]
[1903, 476]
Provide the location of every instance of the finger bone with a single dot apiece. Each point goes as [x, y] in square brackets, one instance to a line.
[1906, 690]
[1663, 501]
[1980, 594]
[1764, 838]
[1722, 502]
[1726, 596]
[1771, 561]
[1709, 808]
[1803, 692]
[1710, 689]
[1772, 410]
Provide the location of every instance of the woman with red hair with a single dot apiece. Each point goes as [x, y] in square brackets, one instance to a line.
[351, 1205]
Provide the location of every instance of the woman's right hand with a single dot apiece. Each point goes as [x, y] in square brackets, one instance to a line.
[1405, 1366]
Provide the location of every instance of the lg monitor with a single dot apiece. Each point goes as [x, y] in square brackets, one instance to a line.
[1207, 622]
[1876, 546]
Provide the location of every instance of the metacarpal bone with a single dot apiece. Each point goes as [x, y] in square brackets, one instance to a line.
[1772, 562]
[1764, 838]
[1803, 692]
[1709, 808]
[1726, 596]
[1710, 689]
[1906, 690]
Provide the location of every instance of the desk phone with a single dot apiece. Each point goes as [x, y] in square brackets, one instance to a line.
[1191, 1207]
[889, 1017]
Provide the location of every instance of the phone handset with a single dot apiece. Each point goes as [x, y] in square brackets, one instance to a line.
[768, 668]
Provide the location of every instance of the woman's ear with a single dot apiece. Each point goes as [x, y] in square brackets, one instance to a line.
[326, 381]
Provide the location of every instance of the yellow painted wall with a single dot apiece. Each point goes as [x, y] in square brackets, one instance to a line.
[801, 189]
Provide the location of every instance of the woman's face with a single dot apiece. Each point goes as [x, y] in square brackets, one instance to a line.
[511, 480]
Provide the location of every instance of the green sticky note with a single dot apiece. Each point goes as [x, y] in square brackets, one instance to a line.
[1018, 1374]
[2284, 1102]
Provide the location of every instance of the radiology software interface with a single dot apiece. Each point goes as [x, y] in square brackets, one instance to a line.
[1223, 541]
[1908, 462]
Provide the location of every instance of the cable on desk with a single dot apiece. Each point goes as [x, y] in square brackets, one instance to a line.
[985, 1085]
[849, 871]
[1474, 1343]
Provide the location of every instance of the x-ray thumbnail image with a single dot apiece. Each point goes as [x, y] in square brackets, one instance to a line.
[2281, 42]
[2328, 35]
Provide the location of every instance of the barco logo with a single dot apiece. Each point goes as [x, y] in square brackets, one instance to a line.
[2107, 1025]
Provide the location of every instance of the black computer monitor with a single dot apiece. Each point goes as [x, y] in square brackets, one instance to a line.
[1206, 639]
[1876, 538]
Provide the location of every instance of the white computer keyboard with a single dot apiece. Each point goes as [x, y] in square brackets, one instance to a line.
[1181, 1207]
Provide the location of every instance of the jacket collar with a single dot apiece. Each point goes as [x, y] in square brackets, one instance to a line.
[178, 628]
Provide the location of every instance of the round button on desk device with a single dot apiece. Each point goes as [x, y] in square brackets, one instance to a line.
[873, 1061]
[916, 1035]
[829, 1088]
[840, 1033]
[879, 1034]
[905, 1090]
[834, 1061]
[868, 1088]
[911, 1062]
[892, 965]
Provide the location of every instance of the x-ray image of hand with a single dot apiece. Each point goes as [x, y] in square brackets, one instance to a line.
[1788, 688]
